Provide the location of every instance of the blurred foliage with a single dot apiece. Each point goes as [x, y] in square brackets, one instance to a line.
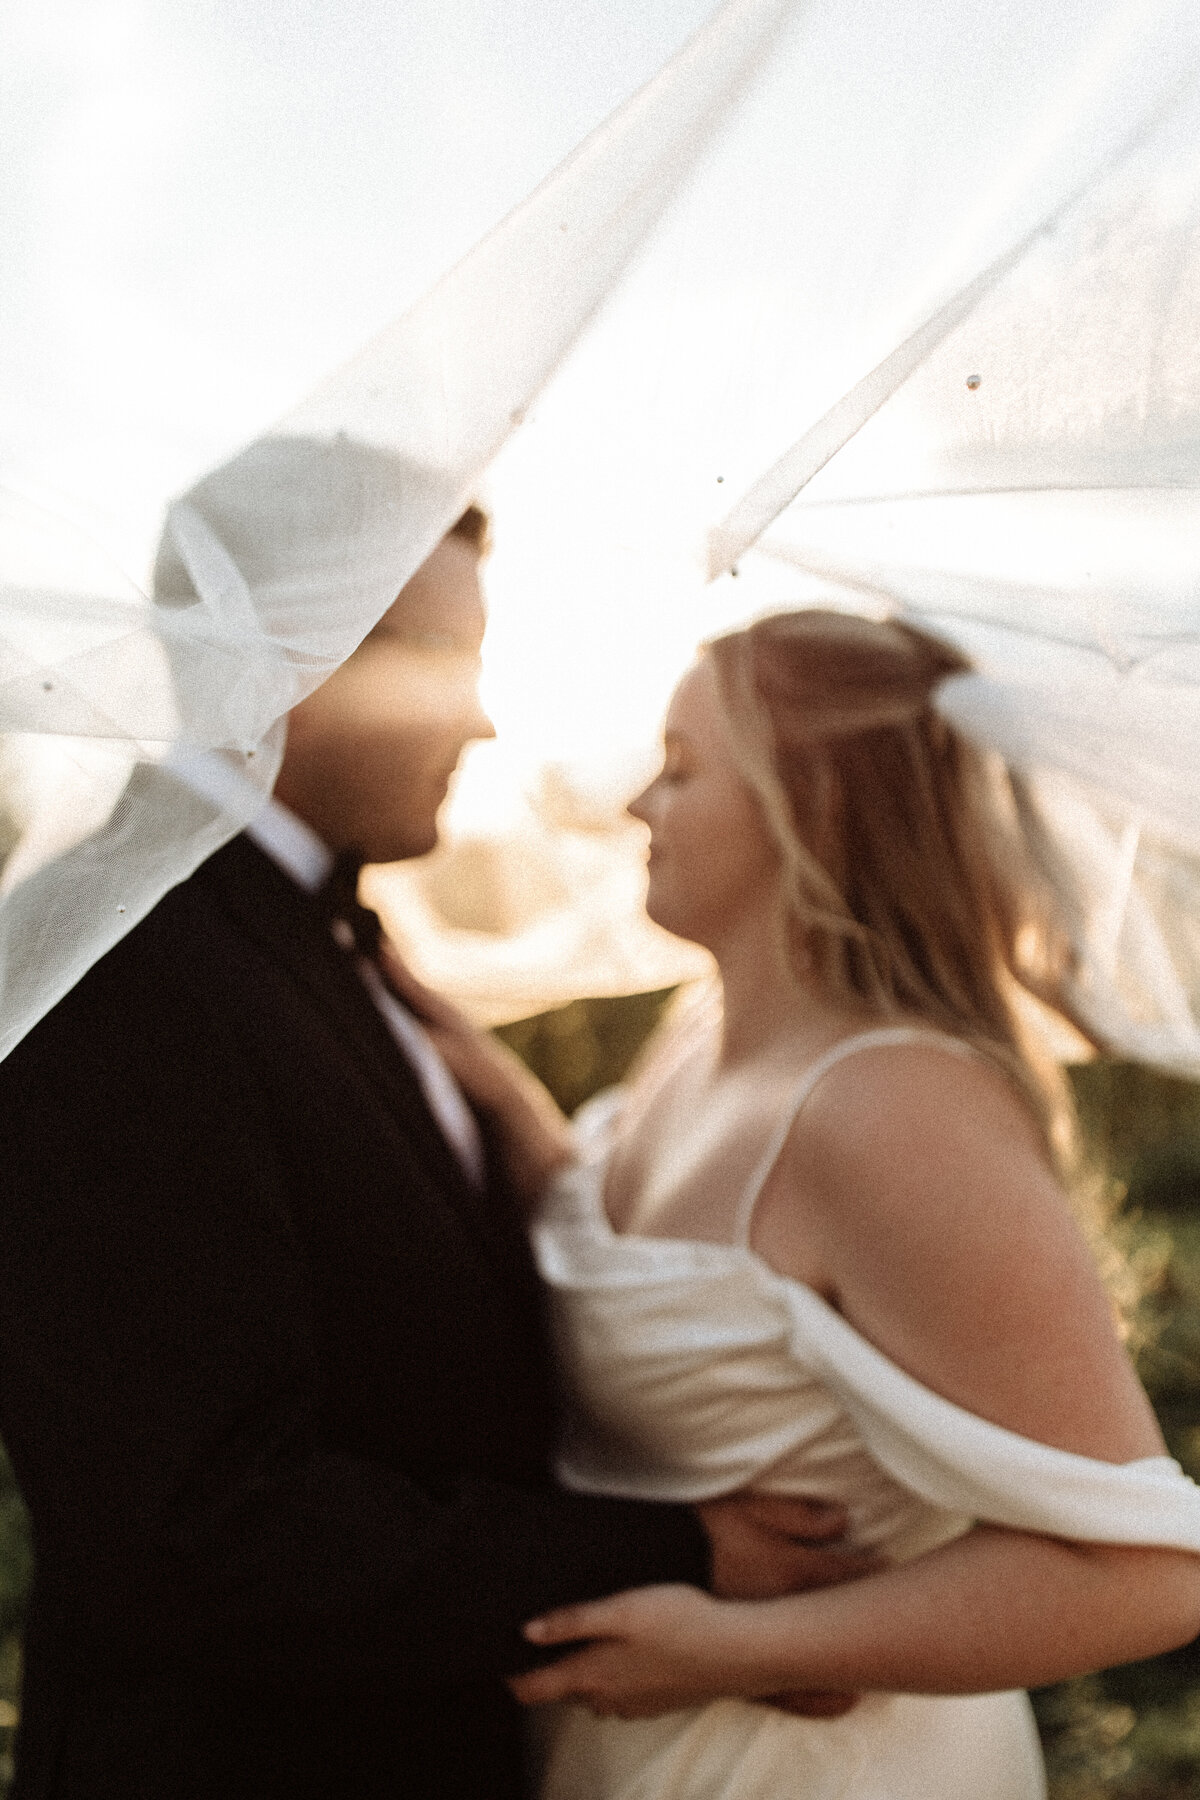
[1134, 1733]
[1129, 1734]
[1144, 1129]
[579, 1049]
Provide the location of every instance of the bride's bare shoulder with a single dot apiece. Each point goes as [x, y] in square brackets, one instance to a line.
[946, 1239]
[928, 1095]
[922, 1147]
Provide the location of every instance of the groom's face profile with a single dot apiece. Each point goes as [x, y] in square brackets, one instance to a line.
[370, 754]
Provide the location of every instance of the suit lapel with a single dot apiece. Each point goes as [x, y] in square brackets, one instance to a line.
[270, 908]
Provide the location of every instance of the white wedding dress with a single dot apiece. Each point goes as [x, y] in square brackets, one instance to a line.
[694, 1370]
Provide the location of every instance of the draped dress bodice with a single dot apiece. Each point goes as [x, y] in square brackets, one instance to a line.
[693, 1370]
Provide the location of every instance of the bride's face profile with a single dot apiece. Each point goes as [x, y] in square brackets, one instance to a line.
[711, 861]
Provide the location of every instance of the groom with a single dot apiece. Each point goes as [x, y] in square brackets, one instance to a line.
[273, 1372]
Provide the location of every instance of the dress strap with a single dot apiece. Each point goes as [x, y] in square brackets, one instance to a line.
[880, 1038]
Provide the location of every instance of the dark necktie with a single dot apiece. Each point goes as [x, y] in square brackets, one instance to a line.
[356, 928]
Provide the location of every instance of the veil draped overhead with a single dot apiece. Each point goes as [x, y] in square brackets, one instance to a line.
[891, 303]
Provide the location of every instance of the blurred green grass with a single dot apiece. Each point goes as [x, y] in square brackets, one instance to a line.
[1129, 1734]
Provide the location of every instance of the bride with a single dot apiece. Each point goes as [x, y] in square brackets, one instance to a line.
[819, 1247]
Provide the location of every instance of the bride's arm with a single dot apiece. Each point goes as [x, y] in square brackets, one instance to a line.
[993, 1610]
[916, 1197]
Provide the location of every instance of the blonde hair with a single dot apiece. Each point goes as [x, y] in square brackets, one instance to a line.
[908, 880]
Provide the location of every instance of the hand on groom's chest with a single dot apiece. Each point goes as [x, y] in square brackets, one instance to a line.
[430, 1315]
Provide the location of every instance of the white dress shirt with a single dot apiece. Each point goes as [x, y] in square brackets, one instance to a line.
[296, 849]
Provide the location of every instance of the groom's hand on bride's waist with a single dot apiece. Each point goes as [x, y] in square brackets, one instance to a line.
[652, 1650]
[762, 1545]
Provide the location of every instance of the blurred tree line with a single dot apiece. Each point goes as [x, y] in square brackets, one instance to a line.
[1129, 1734]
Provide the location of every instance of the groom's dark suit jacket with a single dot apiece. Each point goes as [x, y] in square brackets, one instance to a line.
[274, 1379]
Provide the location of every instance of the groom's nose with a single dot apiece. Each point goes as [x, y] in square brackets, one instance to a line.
[475, 722]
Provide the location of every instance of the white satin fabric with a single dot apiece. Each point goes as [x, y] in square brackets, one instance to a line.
[695, 1370]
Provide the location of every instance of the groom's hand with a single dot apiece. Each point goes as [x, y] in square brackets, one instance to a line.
[763, 1546]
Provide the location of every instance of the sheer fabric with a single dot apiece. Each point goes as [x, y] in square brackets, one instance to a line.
[948, 257]
[272, 568]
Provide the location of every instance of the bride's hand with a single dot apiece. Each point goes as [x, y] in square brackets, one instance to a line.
[535, 1137]
[653, 1650]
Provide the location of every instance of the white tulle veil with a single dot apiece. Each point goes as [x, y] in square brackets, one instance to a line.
[893, 306]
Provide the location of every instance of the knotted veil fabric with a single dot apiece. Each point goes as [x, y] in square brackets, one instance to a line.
[890, 304]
